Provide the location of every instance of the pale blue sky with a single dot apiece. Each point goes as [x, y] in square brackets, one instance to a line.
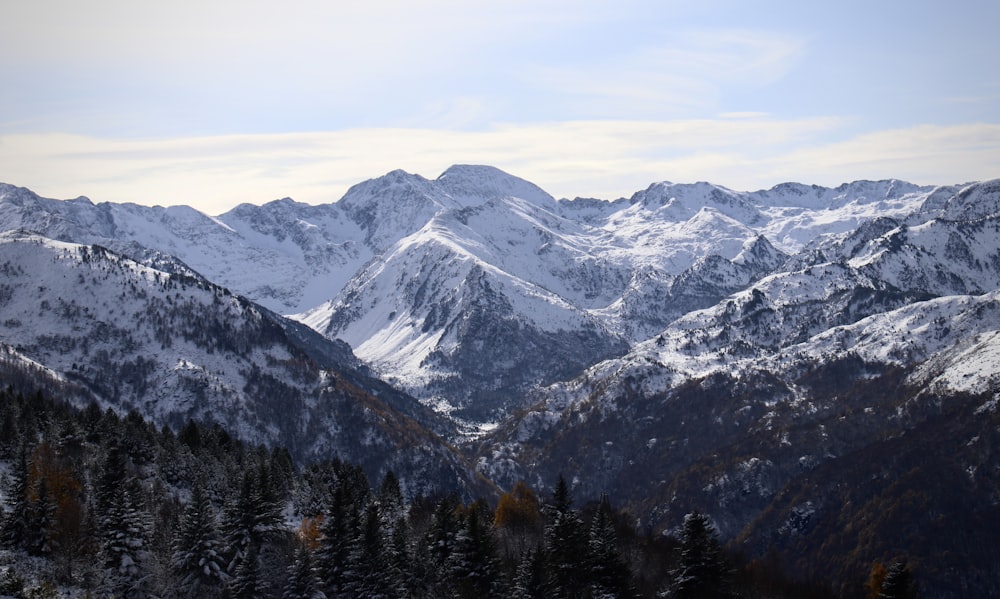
[215, 103]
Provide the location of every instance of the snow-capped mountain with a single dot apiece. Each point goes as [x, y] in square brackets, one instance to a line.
[752, 354]
[176, 347]
[857, 337]
[474, 288]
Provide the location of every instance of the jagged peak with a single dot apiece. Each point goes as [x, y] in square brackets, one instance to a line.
[974, 201]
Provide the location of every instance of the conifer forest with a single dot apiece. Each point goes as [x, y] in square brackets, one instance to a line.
[102, 505]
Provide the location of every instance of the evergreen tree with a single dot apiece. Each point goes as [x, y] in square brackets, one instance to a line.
[123, 527]
[703, 571]
[246, 583]
[16, 523]
[196, 560]
[302, 581]
[251, 518]
[390, 499]
[530, 578]
[566, 546]
[609, 572]
[339, 536]
[124, 532]
[398, 567]
[365, 576]
[440, 539]
[42, 533]
[267, 502]
[237, 525]
[474, 566]
[898, 583]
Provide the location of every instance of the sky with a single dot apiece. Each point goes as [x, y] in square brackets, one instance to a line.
[215, 103]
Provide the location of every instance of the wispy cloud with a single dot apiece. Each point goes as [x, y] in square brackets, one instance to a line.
[579, 158]
[679, 72]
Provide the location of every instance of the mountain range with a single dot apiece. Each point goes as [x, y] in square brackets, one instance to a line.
[767, 357]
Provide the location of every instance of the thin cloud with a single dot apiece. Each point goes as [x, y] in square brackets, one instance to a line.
[682, 72]
[606, 159]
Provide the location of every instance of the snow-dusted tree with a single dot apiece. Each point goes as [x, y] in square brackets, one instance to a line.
[566, 545]
[392, 507]
[246, 582]
[196, 560]
[398, 560]
[703, 569]
[42, 534]
[16, 522]
[898, 583]
[123, 527]
[609, 572]
[440, 538]
[530, 578]
[124, 533]
[473, 565]
[238, 524]
[339, 537]
[251, 518]
[365, 576]
[302, 580]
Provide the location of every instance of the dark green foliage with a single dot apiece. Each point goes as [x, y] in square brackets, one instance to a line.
[474, 564]
[703, 571]
[197, 560]
[246, 581]
[41, 535]
[341, 531]
[530, 578]
[898, 583]
[148, 502]
[16, 522]
[302, 580]
[566, 546]
[609, 573]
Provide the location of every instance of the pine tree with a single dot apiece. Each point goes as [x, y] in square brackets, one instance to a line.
[252, 518]
[441, 535]
[196, 559]
[42, 533]
[566, 546]
[340, 531]
[609, 572]
[703, 571]
[246, 583]
[16, 523]
[898, 583]
[124, 533]
[390, 499]
[123, 527]
[367, 559]
[474, 566]
[398, 566]
[266, 502]
[530, 578]
[302, 580]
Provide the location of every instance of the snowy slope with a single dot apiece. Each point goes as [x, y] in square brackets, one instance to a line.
[889, 297]
[480, 283]
[176, 347]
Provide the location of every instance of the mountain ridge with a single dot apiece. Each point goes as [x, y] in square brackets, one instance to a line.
[778, 359]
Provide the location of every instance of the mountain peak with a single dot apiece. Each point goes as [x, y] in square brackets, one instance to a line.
[476, 184]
